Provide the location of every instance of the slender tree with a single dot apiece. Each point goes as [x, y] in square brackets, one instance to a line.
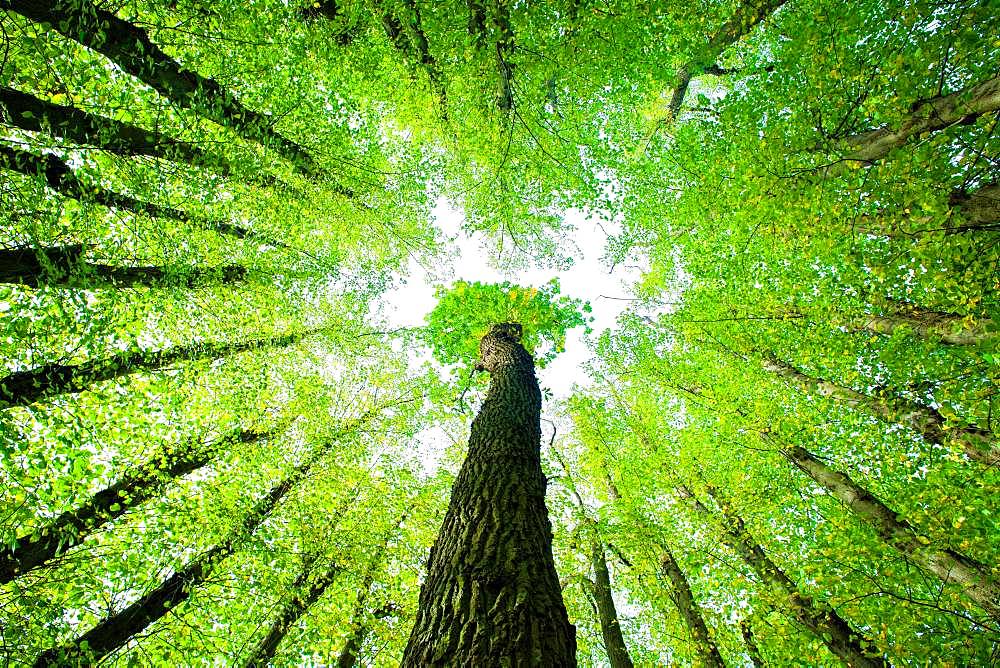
[134, 488]
[974, 578]
[21, 388]
[680, 593]
[492, 595]
[116, 630]
[28, 112]
[64, 266]
[979, 444]
[59, 176]
[825, 622]
[129, 47]
[748, 15]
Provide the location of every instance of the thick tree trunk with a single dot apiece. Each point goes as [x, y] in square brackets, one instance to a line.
[980, 208]
[492, 596]
[115, 631]
[948, 328]
[73, 526]
[931, 115]
[972, 577]
[746, 18]
[130, 47]
[611, 631]
[822, 620]
[21, 388]
[303, 597]
[680, 592]
[60, 177]
[64, 266]
[979, 444]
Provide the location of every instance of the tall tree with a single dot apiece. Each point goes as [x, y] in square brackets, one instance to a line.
[492, 594]
[130, 48]
[71, 527]
[21, 388]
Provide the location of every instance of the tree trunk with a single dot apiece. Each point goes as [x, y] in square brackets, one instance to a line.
[747, 17]
[73, 526]
[130, 47]
[825, 623]
[680, 592]
[60, 177]
[301, 600]
[972, 577]
[115, 631]
[931, 115]
[980, 208]
[611, 631]
[979, 444]
[64, 266]
[21, 388]
[31, 113]
[948, 328]
[492, 595]
[753, 651]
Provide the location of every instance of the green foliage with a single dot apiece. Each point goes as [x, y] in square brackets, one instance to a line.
[465, 312]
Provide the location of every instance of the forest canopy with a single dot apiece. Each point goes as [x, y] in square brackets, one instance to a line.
[229, 435]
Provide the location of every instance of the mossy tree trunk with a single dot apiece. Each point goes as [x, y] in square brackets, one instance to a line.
[492, 596]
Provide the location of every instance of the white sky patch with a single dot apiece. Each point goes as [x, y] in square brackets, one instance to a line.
[588, 279]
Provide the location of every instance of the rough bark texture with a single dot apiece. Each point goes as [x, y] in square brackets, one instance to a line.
[822, 620]
[611, 631]
[64, 266]
[115, 631]
[73, 526]
[931, 115]
[972, 577]
[680, 592]
[130, 47]
[492, 596]
[979, 444]
[306, 590]
[21, 388]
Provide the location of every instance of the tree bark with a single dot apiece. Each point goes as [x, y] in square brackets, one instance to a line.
[825, 623]
[36, 115]
[948, 328]
[134, 488]
[303, 597]
[21, 388]
[492, 595]
[130, 47]
[611, 631]
[680, 592]
[60, 177]
[747, 17]
[64, 266]
[932, 115]
[753, 651]
[972, 577]
[115, 631]
[980, 208]
[979, 444]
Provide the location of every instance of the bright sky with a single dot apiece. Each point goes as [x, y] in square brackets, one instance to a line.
[587, 279]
